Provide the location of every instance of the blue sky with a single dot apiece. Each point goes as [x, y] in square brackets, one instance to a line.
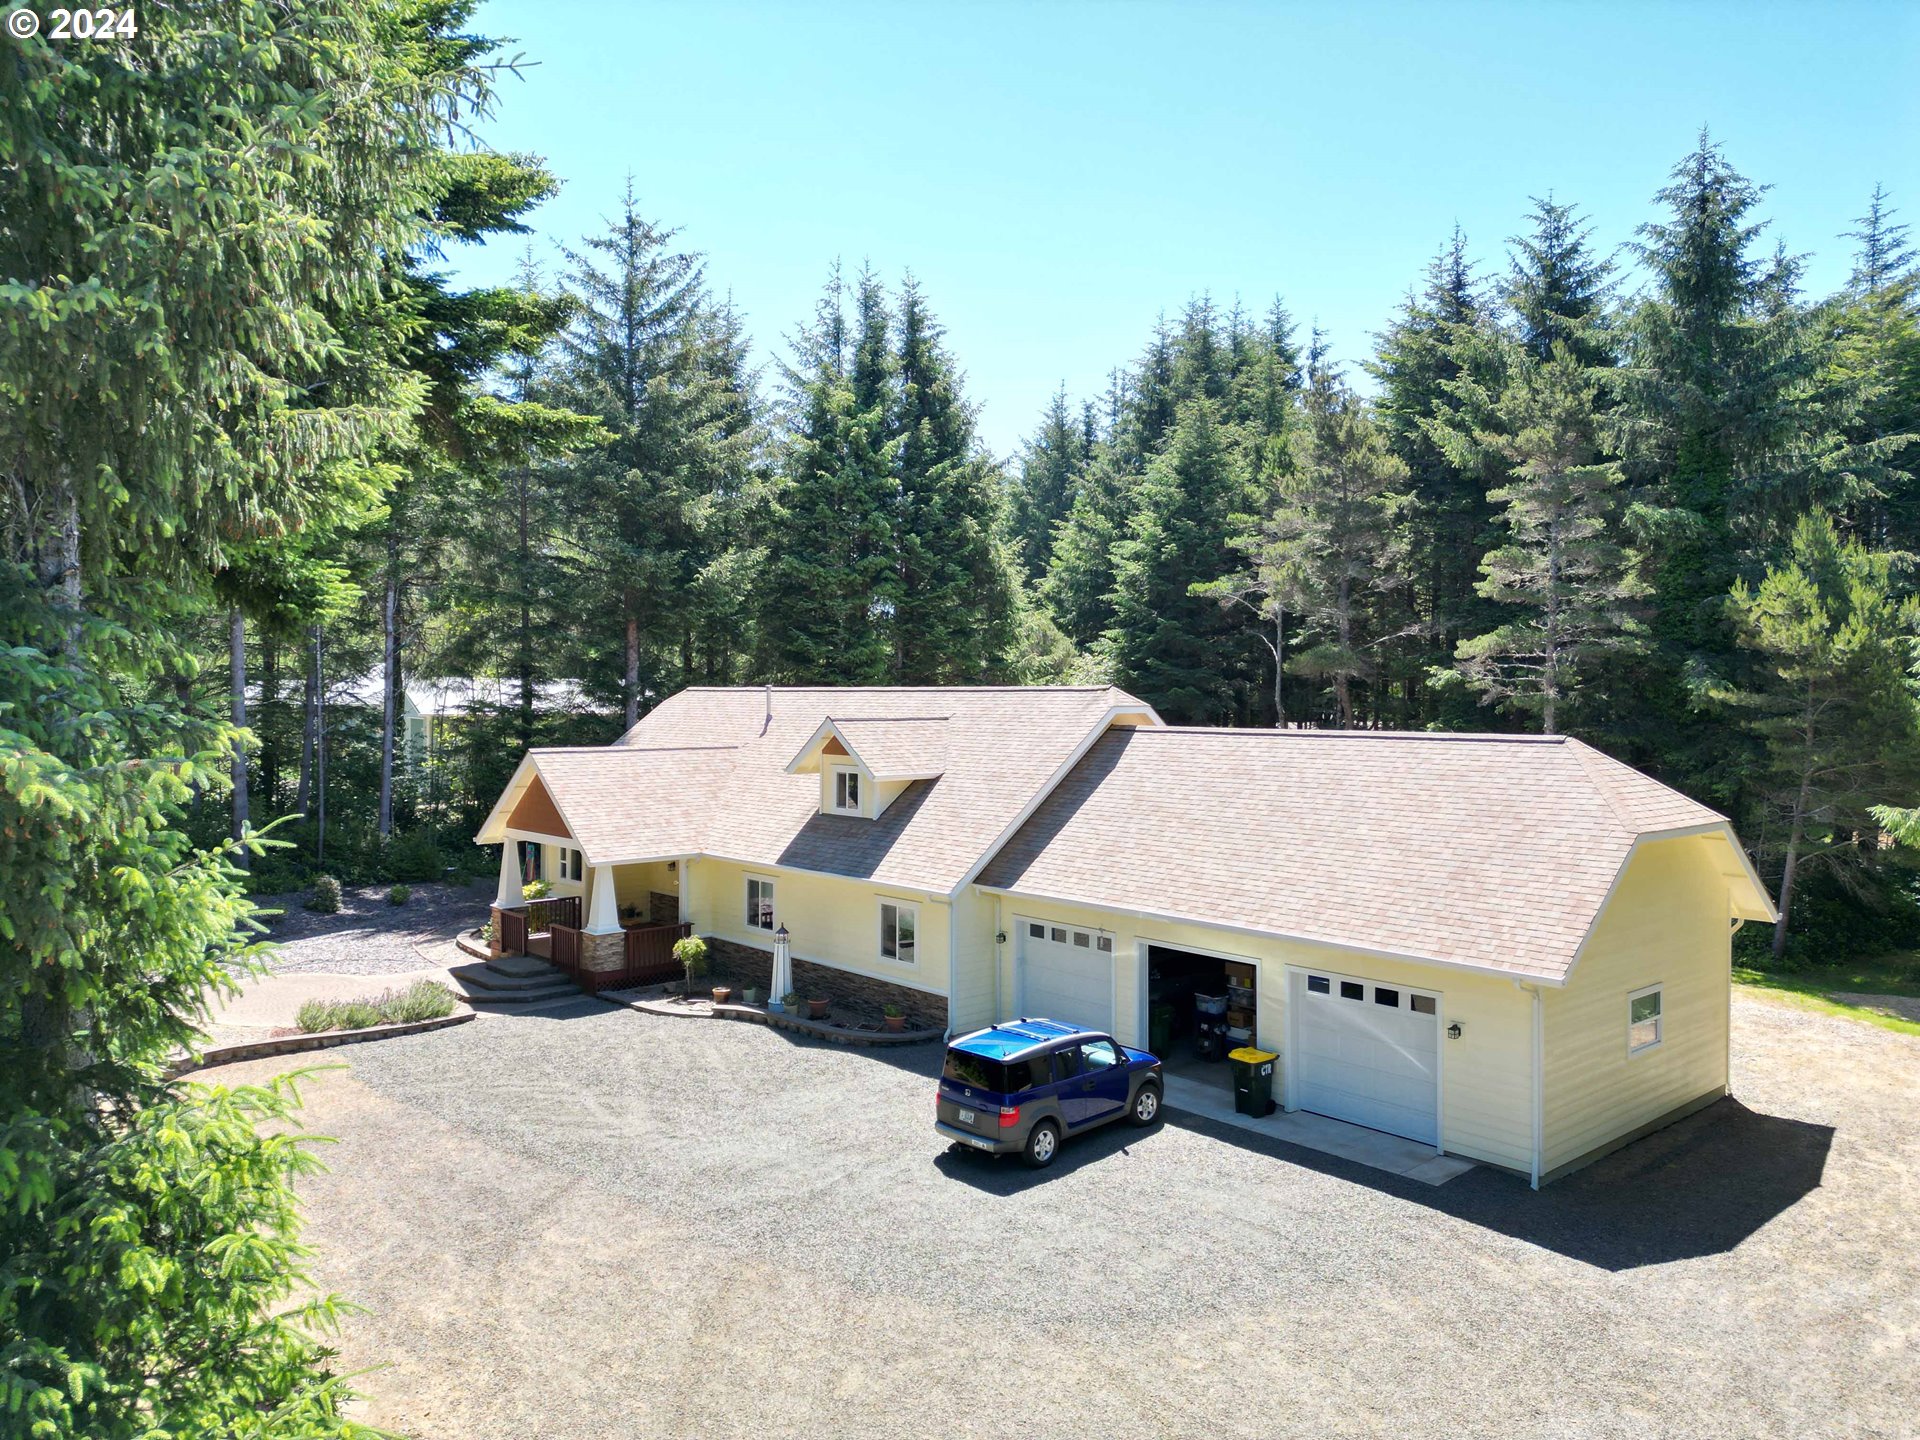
[1058, 174]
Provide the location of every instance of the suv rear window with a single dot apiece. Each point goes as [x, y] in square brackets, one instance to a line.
[979, 1072]
[1001, 1077]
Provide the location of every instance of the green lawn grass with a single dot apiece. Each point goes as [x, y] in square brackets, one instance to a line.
[1827, 990]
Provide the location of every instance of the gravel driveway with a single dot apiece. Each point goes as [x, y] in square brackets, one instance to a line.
[370, 937]
[597, 1222]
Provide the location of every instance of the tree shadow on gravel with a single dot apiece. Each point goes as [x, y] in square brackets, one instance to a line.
[1698, 1187]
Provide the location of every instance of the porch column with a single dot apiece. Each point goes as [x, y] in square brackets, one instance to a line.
[509, 896]
[603, 910]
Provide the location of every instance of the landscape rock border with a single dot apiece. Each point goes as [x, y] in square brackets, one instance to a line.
[325, 1040]
[753, 1014]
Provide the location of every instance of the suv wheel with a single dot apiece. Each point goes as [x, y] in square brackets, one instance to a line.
[1043, 1143]
[1146, 1105]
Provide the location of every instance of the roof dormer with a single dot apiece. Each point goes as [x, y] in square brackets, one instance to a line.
[865, 765]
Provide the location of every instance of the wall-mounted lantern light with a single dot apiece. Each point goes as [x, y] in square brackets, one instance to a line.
[1453, 1031]
[1001, 938]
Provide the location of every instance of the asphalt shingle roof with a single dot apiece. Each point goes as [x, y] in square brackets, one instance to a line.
[1490, 851]
[995, 748]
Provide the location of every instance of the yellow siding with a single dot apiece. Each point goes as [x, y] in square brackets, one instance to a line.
[975, 994]
[1668, 924]
[1486, 1081]
[632, 884]
[831, 921]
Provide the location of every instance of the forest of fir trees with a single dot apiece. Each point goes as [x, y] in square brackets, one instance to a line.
[1650, 494]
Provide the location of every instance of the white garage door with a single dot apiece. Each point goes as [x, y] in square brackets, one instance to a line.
[1367, 1053]
[1066, 974]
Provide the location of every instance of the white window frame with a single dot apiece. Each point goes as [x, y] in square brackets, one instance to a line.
[834, 778]
[751, 911]
[1659, 1020]
[899, 908]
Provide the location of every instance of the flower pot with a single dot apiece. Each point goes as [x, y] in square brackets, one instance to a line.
[895, 1022]
[816, 1009]
[751, 995]
[722, 994]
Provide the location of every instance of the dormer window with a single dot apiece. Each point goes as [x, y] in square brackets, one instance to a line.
[846, 791]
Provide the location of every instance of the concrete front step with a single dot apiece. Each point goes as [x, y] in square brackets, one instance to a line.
[522, 967]
[488, 983]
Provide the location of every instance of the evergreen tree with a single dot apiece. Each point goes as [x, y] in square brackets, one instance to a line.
[1558, 290]
[1168, 645]
[954, 613]
[1446, 525]
[503, 510]
[1266, 397]
[1050, 470]
[1342, 498]
[1560, 566]
[1876, 362]
[177, 380]
[633, 358]
[1831, 700]
[1078, 588]
[1725, 432]
[828, 590]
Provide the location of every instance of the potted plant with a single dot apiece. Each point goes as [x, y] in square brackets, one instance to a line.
[691, 952]
[816, 1009]
[791, 1002]
[752, 995]
[723, 994]
[896, 1018]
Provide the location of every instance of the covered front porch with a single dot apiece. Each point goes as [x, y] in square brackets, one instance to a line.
[605, 926]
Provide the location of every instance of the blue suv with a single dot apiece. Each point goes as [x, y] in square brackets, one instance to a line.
[1026, 1085]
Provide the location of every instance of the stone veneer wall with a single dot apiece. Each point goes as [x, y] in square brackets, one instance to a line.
[745, 965]
[662, 909]
[603, 952]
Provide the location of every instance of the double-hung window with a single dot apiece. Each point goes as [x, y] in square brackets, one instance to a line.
[759, 903]
[899, 929]
[1646, 1019]
[846, 791]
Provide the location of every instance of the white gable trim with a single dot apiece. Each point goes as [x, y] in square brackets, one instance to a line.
[494, 829]
[808, 759]
[1720, 828]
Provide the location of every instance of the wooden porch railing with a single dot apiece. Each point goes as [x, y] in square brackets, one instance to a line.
[646, 957]
[537, 918]
[555, 910]
[513, 932]
[650, 953]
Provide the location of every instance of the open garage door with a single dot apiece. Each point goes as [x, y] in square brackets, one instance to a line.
[1066, 974]
[1367, 1053]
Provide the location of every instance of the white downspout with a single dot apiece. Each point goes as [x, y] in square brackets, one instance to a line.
[1539, 1086]
[953, 964]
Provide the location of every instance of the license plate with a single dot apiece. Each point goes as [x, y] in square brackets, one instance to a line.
[966, 1117]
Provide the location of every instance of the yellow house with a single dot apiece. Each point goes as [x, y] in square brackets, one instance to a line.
[1511, 948]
